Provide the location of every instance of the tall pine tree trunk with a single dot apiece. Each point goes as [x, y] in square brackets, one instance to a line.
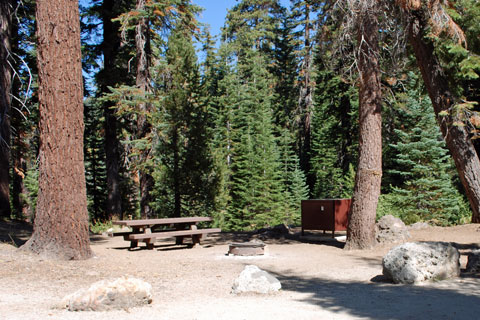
[457, 138]
[361, 226]
[306, 103]
[6, 12]
[110, 46]
[61, 220]
[142, 42]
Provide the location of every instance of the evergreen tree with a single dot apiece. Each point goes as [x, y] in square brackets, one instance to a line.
[247, 137]
[428, 193]
[294, 178]
[24, 115]
[303, 13]
[334, 136]
[185, 174]
[284, 69]
[61, 218]
[256, 169]
[94, 155]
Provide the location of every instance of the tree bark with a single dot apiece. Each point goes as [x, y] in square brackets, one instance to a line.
[6, 12]
[306, 103]
[361, 226]
[142, 42]
[61, 220]
[457, 138]
[110, 47]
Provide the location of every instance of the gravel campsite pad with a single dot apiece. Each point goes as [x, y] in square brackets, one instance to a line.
[319, 280]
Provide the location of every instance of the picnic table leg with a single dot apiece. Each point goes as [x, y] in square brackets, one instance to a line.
[133, 244]
[149, 242]
[195, 237]
[179, 240]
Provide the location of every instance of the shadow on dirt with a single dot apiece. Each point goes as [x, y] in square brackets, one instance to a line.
[15, 232]
[459, 299]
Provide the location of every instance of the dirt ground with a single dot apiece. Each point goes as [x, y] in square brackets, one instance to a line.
[319, 280]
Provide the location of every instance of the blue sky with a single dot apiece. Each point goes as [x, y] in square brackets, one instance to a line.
[216, 10]
[214, 13]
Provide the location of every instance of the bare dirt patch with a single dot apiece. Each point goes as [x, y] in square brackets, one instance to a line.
[319, 280]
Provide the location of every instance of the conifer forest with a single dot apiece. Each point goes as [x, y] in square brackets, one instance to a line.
[364, 99]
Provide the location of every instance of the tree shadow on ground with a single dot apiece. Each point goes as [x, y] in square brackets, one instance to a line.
[15, 232]
[378, 299]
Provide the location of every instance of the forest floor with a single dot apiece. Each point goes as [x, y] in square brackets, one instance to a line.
[319, 280]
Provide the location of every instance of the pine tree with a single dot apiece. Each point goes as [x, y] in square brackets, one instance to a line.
[443, 93]
[94, 153]
[334, 138]
[61, 218]
[185, 174]
[303, 12]
[284, 69]
[256, 169]
[427, 193]
[296, 188]
[24, 115]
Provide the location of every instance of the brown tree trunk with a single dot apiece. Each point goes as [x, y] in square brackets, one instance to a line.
[142, 42]
[457, 138]
[61, 219]
[361, 226]
[109, 78]
[6, 12]
[306, 103]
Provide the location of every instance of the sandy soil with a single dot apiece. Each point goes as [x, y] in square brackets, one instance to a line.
[319, 280]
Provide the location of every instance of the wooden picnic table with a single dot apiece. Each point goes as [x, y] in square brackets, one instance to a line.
[148, 230]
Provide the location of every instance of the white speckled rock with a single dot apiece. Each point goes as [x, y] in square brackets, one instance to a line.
[414, 262]
[390, 229]
[254, 279]
[122, 293]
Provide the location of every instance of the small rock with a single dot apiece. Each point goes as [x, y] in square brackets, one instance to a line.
[122, 293]
[390, 229]
[414, 262]
[473, 263]
[253, 279]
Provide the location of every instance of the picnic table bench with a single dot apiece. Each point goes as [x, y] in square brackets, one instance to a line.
[148, 230]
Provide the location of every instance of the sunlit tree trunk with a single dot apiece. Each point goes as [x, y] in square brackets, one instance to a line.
[142, 42]
[61, 219]
[361, 227]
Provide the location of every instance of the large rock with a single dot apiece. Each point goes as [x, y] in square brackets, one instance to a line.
[390, 229]
[253, 279]
[414, 262]
[473, 263]
[122, 293]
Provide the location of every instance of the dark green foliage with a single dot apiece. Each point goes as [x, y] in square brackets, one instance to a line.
[296, 188]
[237, 135]
[255, 170]
[427, 192]
[186, 183]
[335, 132]
[24, 113]
[94, 157]
[262, 184]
